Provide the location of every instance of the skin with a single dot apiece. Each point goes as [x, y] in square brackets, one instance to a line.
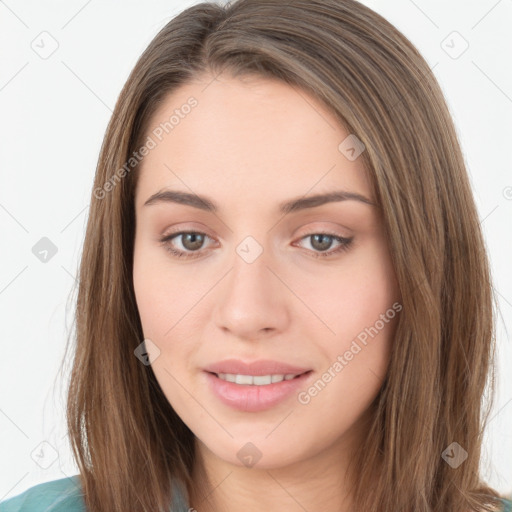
[248, 145]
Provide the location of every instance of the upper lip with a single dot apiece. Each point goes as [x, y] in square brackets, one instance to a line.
[261, 367]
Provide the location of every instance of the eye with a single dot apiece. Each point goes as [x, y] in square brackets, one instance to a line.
[191, 241]
[321, 242]
[192, 244]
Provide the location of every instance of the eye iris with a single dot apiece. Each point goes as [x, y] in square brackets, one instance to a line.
[322, 246]
[196, 240]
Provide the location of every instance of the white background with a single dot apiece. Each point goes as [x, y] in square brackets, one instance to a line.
[54, 113]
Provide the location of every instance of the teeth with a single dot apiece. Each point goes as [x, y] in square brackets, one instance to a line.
[256, 380]
[243, 379]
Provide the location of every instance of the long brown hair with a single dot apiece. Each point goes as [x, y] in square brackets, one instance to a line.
[128, 441]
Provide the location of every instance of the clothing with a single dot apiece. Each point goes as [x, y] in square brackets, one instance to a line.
[65, 495]
[507, 505]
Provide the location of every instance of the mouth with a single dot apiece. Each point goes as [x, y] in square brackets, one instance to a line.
[257, 380]
[255, 393]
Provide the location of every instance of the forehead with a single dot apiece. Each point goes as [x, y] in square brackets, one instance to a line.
[245, 137]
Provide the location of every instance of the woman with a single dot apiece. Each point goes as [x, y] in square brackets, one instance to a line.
[283, 285]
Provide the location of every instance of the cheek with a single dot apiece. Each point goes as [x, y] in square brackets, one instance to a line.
[164, 289]
[165, 301]
[160, 309]
[364, 309]
[353, 297]
[153, 293]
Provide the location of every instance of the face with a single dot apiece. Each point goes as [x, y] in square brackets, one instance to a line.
[235, 285]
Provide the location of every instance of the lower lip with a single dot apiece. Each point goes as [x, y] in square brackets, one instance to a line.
[252, 398]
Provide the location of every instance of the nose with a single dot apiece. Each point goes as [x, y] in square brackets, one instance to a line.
[252, 302]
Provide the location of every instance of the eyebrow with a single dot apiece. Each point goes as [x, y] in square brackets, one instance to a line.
[301, 203]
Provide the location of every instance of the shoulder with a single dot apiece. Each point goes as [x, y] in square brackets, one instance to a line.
[63, 495]
[507, 504]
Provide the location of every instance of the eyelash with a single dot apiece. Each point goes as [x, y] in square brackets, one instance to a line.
[345, 244]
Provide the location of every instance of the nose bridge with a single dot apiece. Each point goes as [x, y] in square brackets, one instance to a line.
[251, 301]
[250, 279]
